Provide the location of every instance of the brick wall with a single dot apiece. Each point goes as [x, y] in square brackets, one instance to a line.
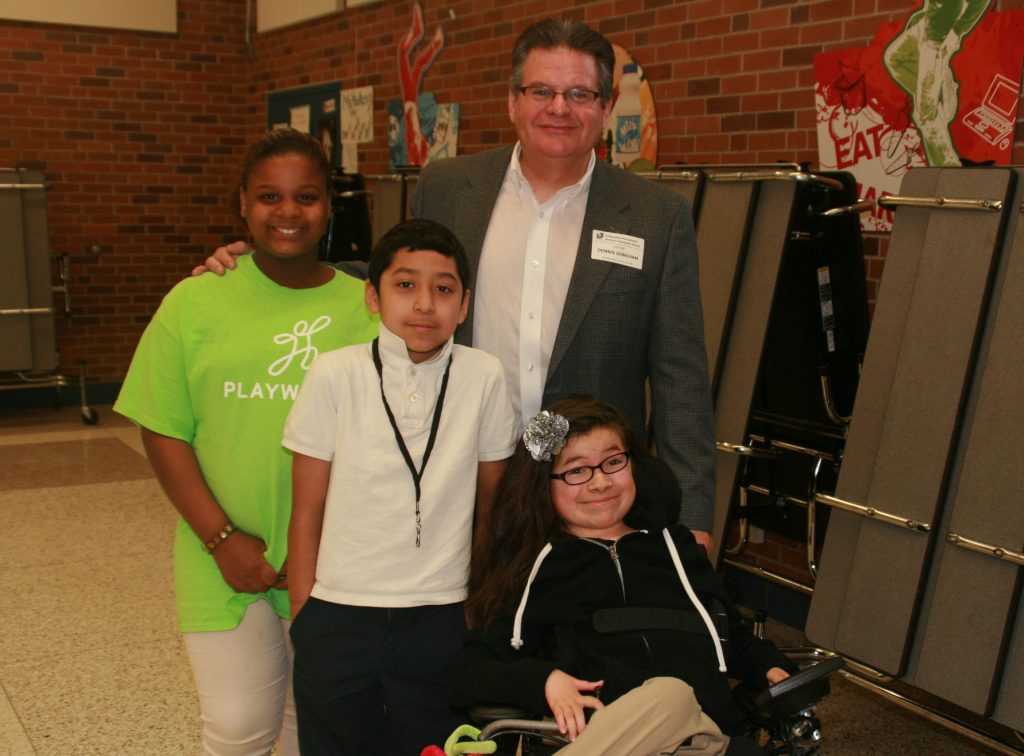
[140, 134]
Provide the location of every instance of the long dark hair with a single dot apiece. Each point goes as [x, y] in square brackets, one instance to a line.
[523, 517]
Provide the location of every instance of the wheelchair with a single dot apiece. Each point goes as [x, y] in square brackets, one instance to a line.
[782, 717]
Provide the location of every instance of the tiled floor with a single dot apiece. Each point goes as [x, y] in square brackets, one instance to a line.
[90, 658]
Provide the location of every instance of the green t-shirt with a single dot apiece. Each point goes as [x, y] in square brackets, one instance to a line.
[219, 367]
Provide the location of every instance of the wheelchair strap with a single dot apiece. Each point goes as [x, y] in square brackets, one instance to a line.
[640, 618]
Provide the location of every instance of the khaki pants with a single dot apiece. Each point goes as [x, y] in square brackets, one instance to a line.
[654, 719]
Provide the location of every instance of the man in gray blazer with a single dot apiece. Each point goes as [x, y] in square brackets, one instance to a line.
[584, 276]
[604, 259]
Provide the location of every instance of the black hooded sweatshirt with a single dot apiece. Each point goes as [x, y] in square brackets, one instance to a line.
[579, 577]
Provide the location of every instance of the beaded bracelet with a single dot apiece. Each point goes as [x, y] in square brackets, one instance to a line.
[218, 539]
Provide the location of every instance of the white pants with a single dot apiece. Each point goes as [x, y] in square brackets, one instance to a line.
[244, 680]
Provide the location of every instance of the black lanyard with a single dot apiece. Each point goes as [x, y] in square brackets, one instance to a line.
[417, 476]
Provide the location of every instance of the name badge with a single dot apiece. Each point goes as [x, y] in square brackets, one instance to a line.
[621, 249]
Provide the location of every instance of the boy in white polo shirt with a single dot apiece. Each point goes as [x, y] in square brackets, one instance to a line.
[396, 445]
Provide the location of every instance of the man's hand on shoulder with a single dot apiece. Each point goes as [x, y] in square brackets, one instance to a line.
[222, 259]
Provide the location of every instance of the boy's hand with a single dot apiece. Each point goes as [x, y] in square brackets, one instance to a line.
[776, 675]
[242, 563]
[563, 695]
[223, 258]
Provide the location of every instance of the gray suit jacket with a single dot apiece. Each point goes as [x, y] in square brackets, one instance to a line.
[620, 326]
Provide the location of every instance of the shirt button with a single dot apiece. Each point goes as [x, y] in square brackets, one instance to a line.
[540, 214]
[529, 316]
[535, 263]
[412, 371]
[529, 368]
[413, 396]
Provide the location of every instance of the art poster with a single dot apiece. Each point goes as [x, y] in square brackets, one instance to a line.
[357, 115]
[438, 124]
[940, 88]
[419, 128]
[631, 134]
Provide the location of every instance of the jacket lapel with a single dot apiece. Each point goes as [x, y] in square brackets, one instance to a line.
[606, 211]
[476, 204]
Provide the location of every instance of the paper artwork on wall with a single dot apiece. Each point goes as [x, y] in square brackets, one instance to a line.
[438, 124]
[357, 114]
[941, 88]
[631, 134]
[413, 64]
[299, 118]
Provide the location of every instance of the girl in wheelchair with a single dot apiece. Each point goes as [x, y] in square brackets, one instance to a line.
[586, 598]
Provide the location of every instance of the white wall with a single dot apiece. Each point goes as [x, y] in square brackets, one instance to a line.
[144, 15]
[273, 14]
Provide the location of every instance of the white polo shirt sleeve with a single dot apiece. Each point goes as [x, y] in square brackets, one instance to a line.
[312, 424]
[497, 420]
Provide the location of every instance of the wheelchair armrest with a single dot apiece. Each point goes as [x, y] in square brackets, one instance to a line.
[485, 713]
[798, 692]
[497, 720]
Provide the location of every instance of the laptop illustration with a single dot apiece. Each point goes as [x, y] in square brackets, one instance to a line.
[993, 119]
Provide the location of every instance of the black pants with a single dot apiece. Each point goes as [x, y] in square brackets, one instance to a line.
[374, 682]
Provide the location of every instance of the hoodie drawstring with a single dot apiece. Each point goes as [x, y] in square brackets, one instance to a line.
[693, 597]
[517, 627]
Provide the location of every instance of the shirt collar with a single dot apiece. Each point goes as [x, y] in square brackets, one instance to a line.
[566, 193]
[394, 353]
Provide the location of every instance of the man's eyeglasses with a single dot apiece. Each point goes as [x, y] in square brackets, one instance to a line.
[580, 474]
[574, 96]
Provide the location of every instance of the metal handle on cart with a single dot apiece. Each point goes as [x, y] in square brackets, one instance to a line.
[830, 405]
[876, 514]
[662, 173]
[893, 201]
[63, 288]
[987, 549]
[748, 451]
[26, 311]
[860, 206]
[799, 176]
[24, 186]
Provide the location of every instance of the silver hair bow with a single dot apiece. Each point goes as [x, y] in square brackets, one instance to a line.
[545, 435]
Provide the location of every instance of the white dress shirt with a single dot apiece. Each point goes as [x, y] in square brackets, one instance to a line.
[525, 266]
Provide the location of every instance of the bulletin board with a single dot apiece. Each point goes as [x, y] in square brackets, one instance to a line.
[314, 110]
